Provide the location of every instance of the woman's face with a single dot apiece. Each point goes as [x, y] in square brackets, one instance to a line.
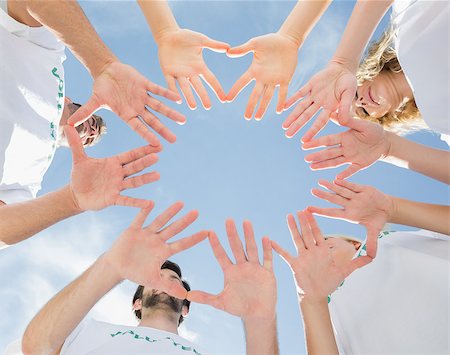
[342, 250]
[387, 92]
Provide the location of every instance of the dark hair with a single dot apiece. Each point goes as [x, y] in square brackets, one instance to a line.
[176, 269]
[100, 125]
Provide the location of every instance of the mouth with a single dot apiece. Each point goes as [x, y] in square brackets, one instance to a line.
[369, 92]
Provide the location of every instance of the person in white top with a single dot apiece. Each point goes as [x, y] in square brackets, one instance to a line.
[140, 254]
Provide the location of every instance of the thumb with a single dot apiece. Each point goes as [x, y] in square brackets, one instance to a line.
[241, 50]
[204, 298]
[214, 45]
[75, 144]
[84, 112]
[372, 241]
[345, 104]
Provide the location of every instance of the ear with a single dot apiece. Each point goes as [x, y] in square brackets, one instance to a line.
[185, 311]
[137, 305]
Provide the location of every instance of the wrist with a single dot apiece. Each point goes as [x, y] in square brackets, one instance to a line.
[345, 62]
[294, 37]
[388, 145]
[393, 210]
[71, 199]
[106, 63]
[107, 261]
[162, 33]
[312, 300]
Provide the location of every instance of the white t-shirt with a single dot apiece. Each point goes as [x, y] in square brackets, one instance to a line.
[399, 303]
[94, 337]
[31, 103]
[422, 44]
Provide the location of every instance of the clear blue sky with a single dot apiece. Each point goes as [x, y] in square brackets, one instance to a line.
[221, 165]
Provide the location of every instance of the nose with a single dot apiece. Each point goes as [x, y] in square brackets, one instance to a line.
[360, 102]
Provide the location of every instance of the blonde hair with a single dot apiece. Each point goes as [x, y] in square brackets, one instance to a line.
[381, 55]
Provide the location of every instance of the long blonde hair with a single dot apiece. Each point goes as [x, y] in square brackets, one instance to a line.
[381, 55]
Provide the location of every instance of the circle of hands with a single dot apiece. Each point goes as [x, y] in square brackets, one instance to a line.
[249, 286]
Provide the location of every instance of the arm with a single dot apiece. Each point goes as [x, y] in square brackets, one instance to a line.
[95, 184]
[249, 289]
[137, 255]
[180, 53]
[275, 57]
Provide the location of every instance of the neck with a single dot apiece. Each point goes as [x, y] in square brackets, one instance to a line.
[160, 319]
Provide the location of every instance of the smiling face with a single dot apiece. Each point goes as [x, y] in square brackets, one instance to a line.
[385, 94]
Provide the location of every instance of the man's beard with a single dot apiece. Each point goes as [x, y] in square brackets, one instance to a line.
[162, 300]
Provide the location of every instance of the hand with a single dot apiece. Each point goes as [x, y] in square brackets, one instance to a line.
[315, 272]
[249, 287]
[180, 55]
[120, 88]
[332, 89]
[137, 255]
[274, 63]
[361, 146]
[97, 183]
[361, 204]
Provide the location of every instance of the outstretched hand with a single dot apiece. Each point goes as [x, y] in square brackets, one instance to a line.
[139, 253]
[332, 89]
[316, 273]
[97, 183]
[274, 63]
[361, 146]
[360, 204]
[180, 55]
[249, 287]
[122, 89]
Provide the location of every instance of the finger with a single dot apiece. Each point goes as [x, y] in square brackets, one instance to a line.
[282, 94]
[351, 170]
[201, 92]
[165, 110]
[317, 126]
[139, 164]
[326, 154]
[265, 101]
[235, 242]
[205, 298]
[326, 164]
[214, 84]
[161, 220]
[75, 144]
[140, 128]
[241, 50]
[137, 181]
[131, 202]
[84, 112]
[355, 264]
[324, 141]
[267, 254]
[344, 192]
[188, 242]
[172, 95]
[250, 244]
[295, 234]
[172, 85]
[349, 185]
[137, 153]
[336, 213]
[345, 105]
[301, 121]
[216, 46]
[315, 229]
[305, 90]
[152, 121]
[179, 225]
[372, 241]
[307, 235]
[283, 253]
[239, 85]
[253, 100]
[173, 289]
[140, 218]
[327, 196]
[187, 92]
[219, 252]
[295, 114]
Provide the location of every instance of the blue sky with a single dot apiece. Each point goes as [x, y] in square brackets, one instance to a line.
[221, 165]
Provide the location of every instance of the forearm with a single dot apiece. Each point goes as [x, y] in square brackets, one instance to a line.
[49, 329]
[431, 162]
[67, 21]
[22, 220]
[318, 329]
[302, 19]
[261, 336]
[421, 215]
[159, 17]
[364, 20]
